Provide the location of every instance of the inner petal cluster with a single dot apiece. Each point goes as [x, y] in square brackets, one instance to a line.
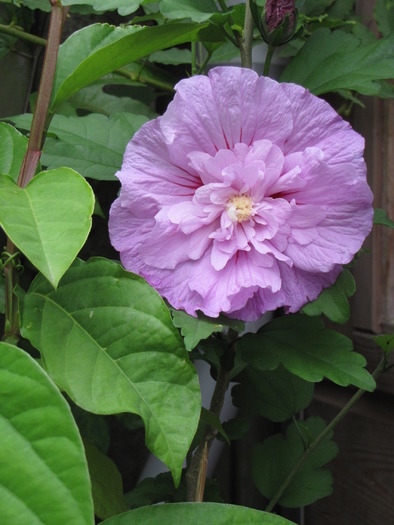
[240, 208]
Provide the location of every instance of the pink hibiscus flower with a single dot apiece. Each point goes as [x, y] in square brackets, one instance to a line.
[245, 196]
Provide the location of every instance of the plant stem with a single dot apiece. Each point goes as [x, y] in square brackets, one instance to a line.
[19, 33]
[197, 469]
[314, 444]
[268, 58]
[246, 44]
[194, 59]
[33, 154]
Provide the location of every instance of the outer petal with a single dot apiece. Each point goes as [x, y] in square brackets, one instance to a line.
[317, 124]
[229, 106]
[147, 163]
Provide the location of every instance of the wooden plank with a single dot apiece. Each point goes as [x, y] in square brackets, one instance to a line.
[364, 469]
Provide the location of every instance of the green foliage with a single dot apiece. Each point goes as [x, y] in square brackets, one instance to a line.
[99, 49]
[2, 296]
[93, 144]
[49, 220]
[196, 10]
[43, 477]
[182, 513]
[274, 459]
[380, 217]
[333, 302]
[122, 351]
[386, 342]
[337, 60]
[274, 394]
[306, 348]
[194, 329]
[124, 7]
[107, 486]
[12, 152]
[384, 16]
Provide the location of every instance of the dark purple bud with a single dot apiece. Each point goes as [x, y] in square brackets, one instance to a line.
[276, 11]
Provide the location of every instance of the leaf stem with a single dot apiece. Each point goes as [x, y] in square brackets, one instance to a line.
[139, 77]
[197, 470]
[312, 446]
[247, 39]
[268, 58]
[19, 33]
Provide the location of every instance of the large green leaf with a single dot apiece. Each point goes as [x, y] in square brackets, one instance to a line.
[43, 477]
[107, 486]
[98, 49]
[13, 147]
[49, 220]
[274, 459]
[333, 302]
[330, 61]
[274, 394]
[94, 144]
[196, 10]
[193, 513]
[108, 340]
[308, 349]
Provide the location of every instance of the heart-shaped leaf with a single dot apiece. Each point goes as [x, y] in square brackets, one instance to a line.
[108, 340]
[49, 220]
[44, 477]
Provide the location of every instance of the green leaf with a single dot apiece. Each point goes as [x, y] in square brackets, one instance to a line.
[194, 329]
[13, 147]
[307, 349]
[98, 49]
[386, 342]
[107, 486]
[384, 16]
[333, 302]
[193, 513]
[122, 351]
[94, 100]
[173, 56]
[43, 477]
[336, 60]
[196, 10]
[124, 7]
[342, 9]
[274, 394]
[49, 220]
[274, 459]
[213, 420]
[380, 217]
[94, 144]
[316, 7]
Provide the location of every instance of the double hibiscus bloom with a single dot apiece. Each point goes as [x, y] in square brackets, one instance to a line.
[245, 196]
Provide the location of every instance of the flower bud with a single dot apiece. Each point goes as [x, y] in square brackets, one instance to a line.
[278, 21]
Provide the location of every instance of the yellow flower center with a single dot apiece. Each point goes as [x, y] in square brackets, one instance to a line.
[240, 208]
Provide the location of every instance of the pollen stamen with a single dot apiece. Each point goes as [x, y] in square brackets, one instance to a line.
[240, 208]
